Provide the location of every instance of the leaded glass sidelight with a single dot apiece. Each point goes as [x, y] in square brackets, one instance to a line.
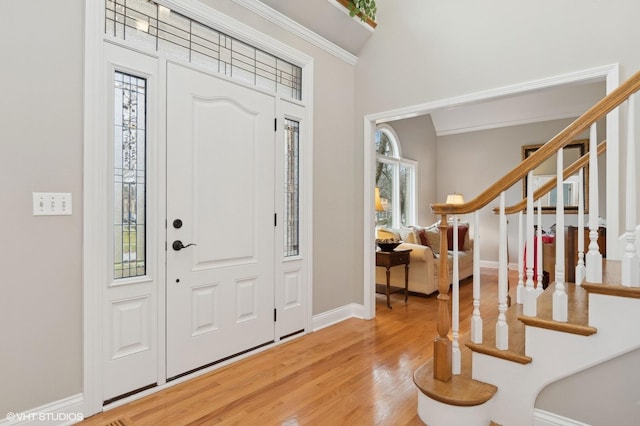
[291, 189]
[129, 185]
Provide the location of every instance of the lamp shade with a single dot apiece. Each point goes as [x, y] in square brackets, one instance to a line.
[379, 207]
[455, 199]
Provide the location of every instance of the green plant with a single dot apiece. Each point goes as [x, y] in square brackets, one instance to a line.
[363, 8]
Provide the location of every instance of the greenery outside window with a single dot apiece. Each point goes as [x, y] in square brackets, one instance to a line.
[396, 179]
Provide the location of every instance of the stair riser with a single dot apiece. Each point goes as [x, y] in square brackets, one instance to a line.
[436, 413]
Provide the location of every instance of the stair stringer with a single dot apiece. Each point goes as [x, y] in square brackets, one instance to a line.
[557, 355]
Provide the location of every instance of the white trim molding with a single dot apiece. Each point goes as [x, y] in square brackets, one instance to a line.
[293, 27]
[94, 208]
[334, 316]
[66, 411]
[545, 418]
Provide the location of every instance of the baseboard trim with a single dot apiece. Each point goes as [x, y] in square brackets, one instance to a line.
[545, 418]
[494, 265]
[66, 411]
[334, 316]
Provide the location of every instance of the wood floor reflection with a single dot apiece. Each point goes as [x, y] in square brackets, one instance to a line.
[356, 372]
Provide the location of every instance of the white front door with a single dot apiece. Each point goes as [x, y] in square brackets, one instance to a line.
[220, 198]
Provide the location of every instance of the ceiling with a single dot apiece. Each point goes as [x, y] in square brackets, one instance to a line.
[330, 20]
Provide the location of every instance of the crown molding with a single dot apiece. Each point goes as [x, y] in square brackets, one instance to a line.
[295, 28]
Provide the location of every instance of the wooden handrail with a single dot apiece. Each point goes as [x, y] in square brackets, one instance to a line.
[549, 185]
[566, 136]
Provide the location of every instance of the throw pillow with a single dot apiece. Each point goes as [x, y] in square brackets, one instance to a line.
[408, 235]
[422, 236]
[433, 236]
[462, 234]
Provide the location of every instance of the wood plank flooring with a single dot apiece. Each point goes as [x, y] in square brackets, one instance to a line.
[356, 372]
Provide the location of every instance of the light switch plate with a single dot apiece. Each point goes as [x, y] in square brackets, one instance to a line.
[51, 203]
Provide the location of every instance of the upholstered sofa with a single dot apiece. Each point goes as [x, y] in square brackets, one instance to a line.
[425, 256]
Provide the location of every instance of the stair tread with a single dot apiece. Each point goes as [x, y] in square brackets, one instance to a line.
[516, 351]
[611, 279]
[461, 390]
[577, 315]
[613, 290]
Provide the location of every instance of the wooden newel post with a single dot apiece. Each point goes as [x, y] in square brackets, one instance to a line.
[442, 344]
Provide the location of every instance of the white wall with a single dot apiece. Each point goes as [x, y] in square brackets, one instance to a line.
[430, 50]
[612, 398]
[41, 132]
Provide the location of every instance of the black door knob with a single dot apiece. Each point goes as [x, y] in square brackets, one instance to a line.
[177, 223]
[177, 245]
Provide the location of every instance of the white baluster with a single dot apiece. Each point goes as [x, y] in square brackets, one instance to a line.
[539, 288]
[520, 288]
[502, 329]
[593, 257]
[456, 360]
[476, 319]
[630, 272]
[560, 300]
[580, 269]
[530, 308]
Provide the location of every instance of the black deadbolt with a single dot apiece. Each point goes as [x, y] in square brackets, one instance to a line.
[177, 224]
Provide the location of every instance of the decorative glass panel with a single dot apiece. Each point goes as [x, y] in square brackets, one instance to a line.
[129, 189]
[291, 189]
[157, 27]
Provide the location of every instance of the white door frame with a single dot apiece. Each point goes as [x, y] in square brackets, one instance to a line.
[95, 174]
[608, 73]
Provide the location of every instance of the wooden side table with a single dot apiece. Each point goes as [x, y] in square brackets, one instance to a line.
[388, 259]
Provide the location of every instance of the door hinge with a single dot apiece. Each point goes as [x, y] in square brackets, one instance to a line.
[275, 124]
[275, 219]
[275, 315]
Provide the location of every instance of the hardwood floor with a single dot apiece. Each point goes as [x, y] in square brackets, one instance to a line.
[356, 372]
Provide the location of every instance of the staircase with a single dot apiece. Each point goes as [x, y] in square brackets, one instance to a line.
[496, 373]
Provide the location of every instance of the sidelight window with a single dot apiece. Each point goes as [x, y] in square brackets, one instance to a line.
[291, 189]
[129, 175]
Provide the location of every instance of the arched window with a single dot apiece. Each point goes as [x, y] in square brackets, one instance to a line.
[395, 179]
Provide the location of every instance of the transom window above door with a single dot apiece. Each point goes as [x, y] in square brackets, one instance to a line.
[158, 28]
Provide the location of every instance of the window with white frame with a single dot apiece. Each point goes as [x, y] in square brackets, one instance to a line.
[396, 181]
